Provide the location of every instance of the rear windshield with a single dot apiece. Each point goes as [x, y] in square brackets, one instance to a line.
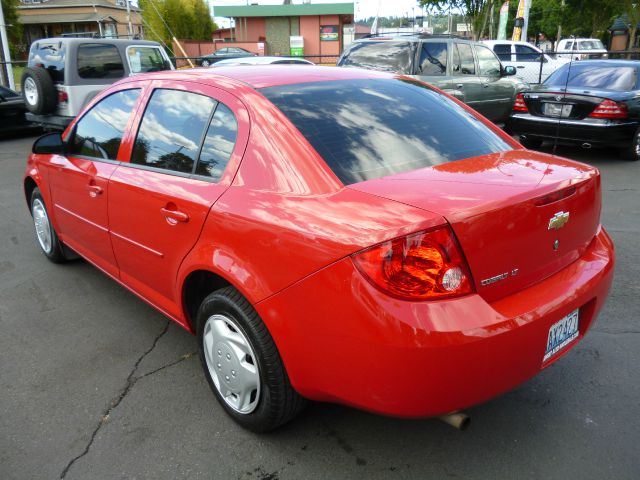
[619, 79]
[370, 128]
[387, 56]
[590, 45]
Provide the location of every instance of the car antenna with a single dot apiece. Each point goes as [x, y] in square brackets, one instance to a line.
[564, 96]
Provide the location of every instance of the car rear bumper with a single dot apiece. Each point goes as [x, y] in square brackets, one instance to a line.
[343, 340]
[597, 132]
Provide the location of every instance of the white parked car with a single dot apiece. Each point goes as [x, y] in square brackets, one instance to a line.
[526, 58]
[581, 48]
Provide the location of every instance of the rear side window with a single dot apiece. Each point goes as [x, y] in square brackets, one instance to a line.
[218, 144]
[96, 60]
[385, 56]
[433, 59]
[50, 56]
[99, 132]
[370, 128]
[171, 130]
[503, 51]
[526, 54]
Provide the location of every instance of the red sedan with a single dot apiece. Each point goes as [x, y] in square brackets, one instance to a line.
[332, 234]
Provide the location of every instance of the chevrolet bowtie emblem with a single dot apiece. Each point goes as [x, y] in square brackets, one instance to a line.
[558, 221]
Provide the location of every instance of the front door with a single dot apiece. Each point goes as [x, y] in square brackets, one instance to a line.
[79, 180]
[497, 91]
[158, 202]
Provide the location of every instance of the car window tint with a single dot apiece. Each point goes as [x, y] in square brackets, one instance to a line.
[385, 56]
[455, 67]
[503, 51]
[171, 130]
[467, 63]
[96, 60]
[145, 59]
[488, 63]
[218, 144]
[222, 50]
[433, 59]
[568, 46]
[50, 56]
[370, 128]
[526, 54]
[99, 132]
[620, 79]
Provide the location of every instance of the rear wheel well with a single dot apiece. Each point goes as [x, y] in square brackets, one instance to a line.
[29, 186]
[197, 286]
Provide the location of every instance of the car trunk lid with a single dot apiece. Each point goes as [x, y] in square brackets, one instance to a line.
[519, 216]
[574, 104]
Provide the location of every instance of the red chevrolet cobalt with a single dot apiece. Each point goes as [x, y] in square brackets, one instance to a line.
[332, 234]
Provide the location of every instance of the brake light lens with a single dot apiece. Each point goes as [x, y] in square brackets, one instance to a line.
[610, 109]
[519, 105]
[62, 96]
[422, 266]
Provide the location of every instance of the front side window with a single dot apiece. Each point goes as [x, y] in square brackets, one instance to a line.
[370, 128]
[385, 55]
[488, 63]
[526, 54]
[467, 63]
[171, 130]
[99, 132]
[97, 60]
[433, 59]
[503, 51]
[218, 144]
[145, 59]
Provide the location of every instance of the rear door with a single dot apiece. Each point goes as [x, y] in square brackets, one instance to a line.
[160, 199]
[78, 182]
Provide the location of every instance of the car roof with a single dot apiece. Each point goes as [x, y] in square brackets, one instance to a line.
[261, 76]
[412, 37]
[116, 41]
[607, 63]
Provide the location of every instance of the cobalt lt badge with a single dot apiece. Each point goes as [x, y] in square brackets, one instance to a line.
[558, 221]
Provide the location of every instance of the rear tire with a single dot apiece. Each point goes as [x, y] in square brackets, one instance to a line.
[39, 92]
[242, 364]
[632, 152]
[47, 238]
[530, 142]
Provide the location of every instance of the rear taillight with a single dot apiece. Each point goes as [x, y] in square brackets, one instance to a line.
[610, 109]
[422, 266]
[519, 105]
[62, 96]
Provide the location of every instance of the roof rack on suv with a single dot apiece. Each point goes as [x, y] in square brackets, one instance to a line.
[415, 34]
[97, 35]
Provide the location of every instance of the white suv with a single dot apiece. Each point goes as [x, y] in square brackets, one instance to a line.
[581, 48]
[526, 58]
[64, 74]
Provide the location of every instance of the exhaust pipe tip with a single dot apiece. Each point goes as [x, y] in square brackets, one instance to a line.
[586, 146]
[458, 420]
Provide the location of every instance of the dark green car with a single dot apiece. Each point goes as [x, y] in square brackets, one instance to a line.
[467, 70]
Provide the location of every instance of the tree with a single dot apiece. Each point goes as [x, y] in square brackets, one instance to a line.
[476, 11]
[14, 27]
[632, 9]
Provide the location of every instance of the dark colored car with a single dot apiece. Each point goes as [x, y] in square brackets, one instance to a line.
[12, 110]
[468, 70]
[223, 53]
[592, 103]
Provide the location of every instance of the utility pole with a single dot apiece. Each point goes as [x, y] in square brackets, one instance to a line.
[129, 19]
[5, 50]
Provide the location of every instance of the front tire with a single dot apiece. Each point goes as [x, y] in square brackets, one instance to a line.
[47, 238]
[242, 364]
[632, 152]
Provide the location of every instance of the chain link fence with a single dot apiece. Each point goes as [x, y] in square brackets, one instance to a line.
[534, 68]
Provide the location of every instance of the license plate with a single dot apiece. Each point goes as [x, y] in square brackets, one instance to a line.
[561, 334]
[557, 110]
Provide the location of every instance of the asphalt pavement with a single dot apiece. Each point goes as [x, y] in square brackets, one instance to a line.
[95, 384]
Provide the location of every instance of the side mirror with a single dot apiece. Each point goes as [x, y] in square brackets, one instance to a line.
[51, 144]
[508, 71]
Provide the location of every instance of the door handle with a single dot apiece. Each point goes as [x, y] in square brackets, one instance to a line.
[94, 190]
[174, 216]
[485, 85]
[519, 66]
[459, 85]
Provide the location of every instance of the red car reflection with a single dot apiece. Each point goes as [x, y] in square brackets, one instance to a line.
[332, 234]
